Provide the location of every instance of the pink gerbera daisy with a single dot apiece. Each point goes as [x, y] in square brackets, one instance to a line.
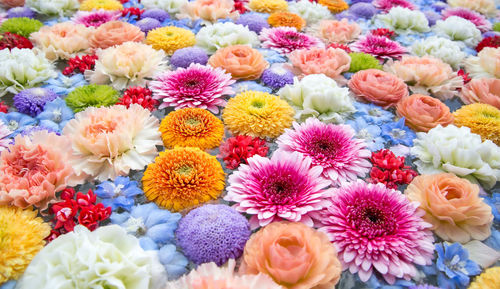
[196, 86]
[287, 39]
[284, 187]
[333, 147]
[379, 46]
[387, 5]
[377, 229]
[479, 20]
[95, 18]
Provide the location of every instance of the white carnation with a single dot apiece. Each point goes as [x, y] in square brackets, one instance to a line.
[23, 68]
[458, 151]
[317, 95]
[54, 7]
[310, 11]
[220, 35]
[458, 29]
[403, 20]
[171, 6]
[442, 48]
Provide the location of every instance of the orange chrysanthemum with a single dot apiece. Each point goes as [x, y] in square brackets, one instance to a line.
[335, 6]
[192, 127]
[286, 19]
[182, 178]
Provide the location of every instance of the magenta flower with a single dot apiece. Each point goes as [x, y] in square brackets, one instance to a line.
[287, 39]
[379, 46]
[342, 157]
[387, 5]
[284, 187]
[95, 18]
[196, 86]
[479, 20]
[377, 229]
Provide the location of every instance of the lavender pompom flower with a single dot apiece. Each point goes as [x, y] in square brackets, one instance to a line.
[31, 101]
[20, 12]
[185, 56]
[277, 77]
[148, 24]
[213, 233]
[363, 10]
[158, 14]
[253, 21]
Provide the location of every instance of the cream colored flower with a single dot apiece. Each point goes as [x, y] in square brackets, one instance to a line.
[54, 7]
[171, 6]
[458, 29]
[403, 20]
[220, 35]
[446, 50]
[485, 65]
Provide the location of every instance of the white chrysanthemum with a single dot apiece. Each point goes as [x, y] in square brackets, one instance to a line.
[128, 64]
[220, 35]
[105, 258]
[458, 29]
[442, 48]
[310, 11]
[403, 20]
[171, 6]
[54, 7]
[458, 151]
[486, 7]
[485, 65]
[319, 96]
[23, 68]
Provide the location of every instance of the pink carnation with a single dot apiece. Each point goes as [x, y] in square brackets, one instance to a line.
[387, 5]
[331, 62]
[287, 39]
[95, 18]
[379, 46]
[479, 20]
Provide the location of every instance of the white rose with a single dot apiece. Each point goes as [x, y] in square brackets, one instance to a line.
[458, 29]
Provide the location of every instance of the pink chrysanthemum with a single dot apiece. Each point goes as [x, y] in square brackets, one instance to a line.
[95, 18]
[377, 229]
[287, 39]
[342, 157]
[479, 20]
[196, 86]
[379, 46]
[284, 187]
[387, 5]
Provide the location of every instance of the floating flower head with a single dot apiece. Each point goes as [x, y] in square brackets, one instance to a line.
[23, 26]
[485, 65]
[11, 40]
[253, 21]
[186, 56]
[423, 112]
[277, 77]
[363, 61]
[182, 178]
[237, 150]
[403, 20]
[89, 5]
[376, 229]
[479, 20]
[196, 86]
[170, 38]
[454, 265]
[379, 46]
[220, 35]
[332, 61]
[489, 279]
[241, 61]
[335, 6]
[387, 5]
[95, 18]
[286, 19]
[458, 29]
[208, 10]
[268, 6]
[334, 31]
[486, 7]
[55, 7]
[170, 6]
[31, 101]
[91, 96]
[482, 119]
[287, 39]
[486, 90]
[114, 33]
[312, 12]
[446, 50]
[333, 147]
[118, 194]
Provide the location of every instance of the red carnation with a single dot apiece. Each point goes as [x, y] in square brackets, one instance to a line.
[390, 169]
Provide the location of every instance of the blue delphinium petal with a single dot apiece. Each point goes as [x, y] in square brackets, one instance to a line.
[55, 114]
[174, 262]
[118, 194]
[17, 122]
[62, 85]
[372, 113]
[397, 133]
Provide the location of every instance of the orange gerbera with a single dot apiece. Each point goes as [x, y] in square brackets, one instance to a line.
[192, 127]
[335, 6]
[182, 178]
[286, 19]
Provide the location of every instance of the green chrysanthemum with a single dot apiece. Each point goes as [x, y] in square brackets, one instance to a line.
[496, 27]
[362, 61]
[91, 95]
[22, 26]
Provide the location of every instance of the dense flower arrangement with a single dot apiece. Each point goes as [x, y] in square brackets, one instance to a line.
[250, 144]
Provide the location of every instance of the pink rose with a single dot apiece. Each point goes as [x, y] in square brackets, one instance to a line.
[331, 62]
[483, 90]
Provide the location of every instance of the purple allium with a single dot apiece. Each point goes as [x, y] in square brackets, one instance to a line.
[20, 12]
[213, 233]
[423, 286]
[158, 14]
[185, 56]
[276, 77]
[147, 24]
[31, 101]
[253, 21]
[363, 10]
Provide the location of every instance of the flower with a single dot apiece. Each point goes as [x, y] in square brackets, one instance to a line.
[486, 7]
[125, 65]
[79, 64]
[446, 50]
[331, 62]
[493, 41]
[363, 10]
[422, 112]
[277, 77]
[170, 39]
[483, 119]
[287, 39]
[56, 7]
[16, 121]
[362, 61]
[114, 33]
[268, 6]
[23, 26]
[34, 168]
[257, 114]
[110, 141]
[139, 95]
[186, 56]
[330, 146]
[171, 6]
[387, 5]
[477, 161]
[31, 101]
[294, 255]
[334, 31]
[208, 10]
[379, 46]
[312, 12]
[91, 96]
[89, 5]
[118, 194]
[390, 170]
[63, 85]
[372, 113]
[13, 3]
[254, 21]
[397, 133]
[458, 29]
[22, 69]
[236, 150]
[335, 6]
[454, 266]
[213, 233]
[174, 262]
[277, 19]
[221, 35]
[489, 279]
[404, 21]
[148, 24]
[485, 65]
[80, 253]
[241, 61]
[317, 95]
[11, 40]
[182, 178]
[393, 236]
[423, 286]
[4, 134]
[483, 91]
[95, 18]
[368, 132]
[23, 235]
[479, 20]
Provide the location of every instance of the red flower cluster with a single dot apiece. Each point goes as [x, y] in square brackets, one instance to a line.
[237, 150]
[81, 64]
[341, 46]
[239, 5]
[81, 210]
[132, 11]
[390, 170]
[139, 95]
[493, 41]
[3, 107]
[382, 32]
[11, 40]
[464, 75]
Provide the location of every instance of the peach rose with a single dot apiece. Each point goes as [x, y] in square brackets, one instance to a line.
[453, 206]
[208, 10]
[484, 90]
[422, 112]
[331, 62]
[242, 61]
[331, 31]
[115, 33]
[12, 3]
[378, 87]
[294, 255]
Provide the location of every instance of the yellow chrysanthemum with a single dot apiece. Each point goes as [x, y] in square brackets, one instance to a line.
[22, 235]
[286, 19]
[490, 279]
[192, 127]
[257, 114]
[170, 38]
[182, 178]
[335, 6]
[268, 6]
[89, 5]
[482, 119]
